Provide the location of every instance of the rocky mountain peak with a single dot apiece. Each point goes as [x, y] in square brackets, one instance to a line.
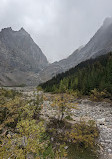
[99, 44]
[23, 31]
[9, 30]
[6, 29]
[21, 59]
[107, 21]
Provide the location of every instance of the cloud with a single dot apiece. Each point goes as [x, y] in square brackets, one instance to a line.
[57, 26]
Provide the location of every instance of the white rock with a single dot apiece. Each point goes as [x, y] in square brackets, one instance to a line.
[109, 150]
[66, 147]
[101, 121]
[52, 139]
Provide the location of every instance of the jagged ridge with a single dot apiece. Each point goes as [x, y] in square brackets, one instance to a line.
[20, 57]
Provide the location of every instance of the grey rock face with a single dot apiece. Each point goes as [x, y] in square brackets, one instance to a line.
[20, 58]
[100, 43]
[22, 61]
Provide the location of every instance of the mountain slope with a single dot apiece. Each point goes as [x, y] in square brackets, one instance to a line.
[100, 43]
[88, 75]
[22, 61]
[20, 58]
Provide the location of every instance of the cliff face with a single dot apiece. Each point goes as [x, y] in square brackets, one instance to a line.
[100, 43]
[22, 61]
[20, 58]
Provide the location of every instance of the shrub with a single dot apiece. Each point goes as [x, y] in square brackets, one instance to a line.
[83, 134]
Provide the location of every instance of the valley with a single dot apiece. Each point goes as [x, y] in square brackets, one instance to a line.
[100, 112]
[84, 110]
[22, 62]
[59, 110]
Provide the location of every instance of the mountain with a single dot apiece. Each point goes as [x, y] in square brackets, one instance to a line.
[22, 61]
[20, 58]
[93, 74]
[99, 44]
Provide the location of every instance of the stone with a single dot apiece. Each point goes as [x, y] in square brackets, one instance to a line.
[84, 106]
[52, 139]
[66, 147]
[109, 150]
[101, 121]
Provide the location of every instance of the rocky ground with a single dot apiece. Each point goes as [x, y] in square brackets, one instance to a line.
[101, 112]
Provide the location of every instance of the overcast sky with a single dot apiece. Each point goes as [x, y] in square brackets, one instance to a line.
[57, 26]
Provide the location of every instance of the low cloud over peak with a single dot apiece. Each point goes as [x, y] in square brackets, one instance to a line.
[57, 26]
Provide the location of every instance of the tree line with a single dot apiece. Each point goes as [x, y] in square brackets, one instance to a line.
[86, 78]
